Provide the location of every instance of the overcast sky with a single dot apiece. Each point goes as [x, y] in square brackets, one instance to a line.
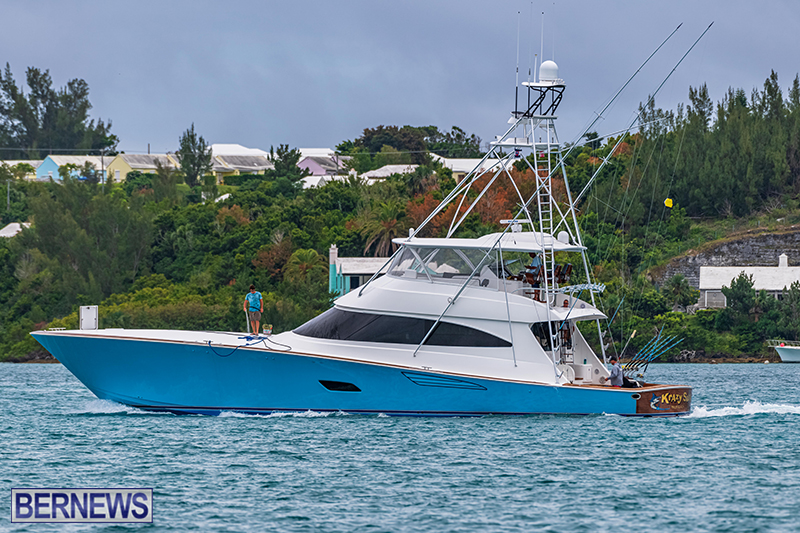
[312, 74]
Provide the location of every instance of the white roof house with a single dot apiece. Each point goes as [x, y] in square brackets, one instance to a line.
[52, 163]
[387, 170]
[13, 228]
[461, 166]
[245, 164]
[236, 149]
[316, 152]
[770, 279]
[32, 162]
[764, 278]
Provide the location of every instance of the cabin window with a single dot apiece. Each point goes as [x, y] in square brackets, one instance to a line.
[366, 327]
[442, 263]
[542, 334]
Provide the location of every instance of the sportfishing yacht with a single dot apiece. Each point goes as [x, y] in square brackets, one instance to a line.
[454, 326]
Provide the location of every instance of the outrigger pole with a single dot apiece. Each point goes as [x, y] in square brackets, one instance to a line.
[574, 203]
[626, 130]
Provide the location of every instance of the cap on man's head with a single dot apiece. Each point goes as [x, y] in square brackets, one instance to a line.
[252, 287]
[613, 358]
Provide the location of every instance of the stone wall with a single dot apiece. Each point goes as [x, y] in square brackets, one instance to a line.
[753, 249]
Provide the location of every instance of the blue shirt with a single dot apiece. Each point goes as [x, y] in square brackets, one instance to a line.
[254, 299]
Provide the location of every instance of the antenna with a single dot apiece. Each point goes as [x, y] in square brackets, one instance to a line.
[541, 56]
[554, 33]
[530, 48]
[516, 87]
[530, 58]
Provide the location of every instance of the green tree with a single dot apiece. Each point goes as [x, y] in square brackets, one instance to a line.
[789, 309]
[303, 265]
[194, 156]
[384, 223]
[679, 293]
[165, 183]
[46, 118]
[285, 160]
[20, 170]
[287, 176]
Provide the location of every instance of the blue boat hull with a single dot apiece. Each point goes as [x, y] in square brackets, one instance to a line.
[187, 378]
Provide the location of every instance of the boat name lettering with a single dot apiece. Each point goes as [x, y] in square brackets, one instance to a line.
[669, 400]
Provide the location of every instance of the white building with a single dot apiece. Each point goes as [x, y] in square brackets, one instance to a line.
[12, 229]
[770, 279]
[32, 162]
[387, 170]
[461, 166]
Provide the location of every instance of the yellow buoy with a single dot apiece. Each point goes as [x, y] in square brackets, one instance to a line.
[668, 202]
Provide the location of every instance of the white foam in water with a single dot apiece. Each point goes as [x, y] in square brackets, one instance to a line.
[107, 407]
[749, 408]
[234, 414]
[302, 414]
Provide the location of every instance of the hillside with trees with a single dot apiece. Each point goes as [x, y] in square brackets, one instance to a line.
[157, 250]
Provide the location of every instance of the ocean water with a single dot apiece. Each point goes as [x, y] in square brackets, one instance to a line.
[733, 464]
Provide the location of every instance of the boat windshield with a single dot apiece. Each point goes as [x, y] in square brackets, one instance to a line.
[440, 263]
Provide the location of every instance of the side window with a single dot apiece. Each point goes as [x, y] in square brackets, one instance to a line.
[542, 334]
[335, 324]
[345, 325]
[447, 334]
[394, 329]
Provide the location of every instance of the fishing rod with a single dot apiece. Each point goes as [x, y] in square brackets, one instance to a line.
[649, 348]
[622, 352]
[663, 352]
[663, 348]
[644, 349]
[634, 358]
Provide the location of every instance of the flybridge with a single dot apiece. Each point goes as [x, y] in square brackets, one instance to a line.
[528, 241]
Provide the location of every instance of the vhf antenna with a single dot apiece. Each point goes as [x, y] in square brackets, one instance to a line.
[541, 55]
[516, 83]
[530, 59]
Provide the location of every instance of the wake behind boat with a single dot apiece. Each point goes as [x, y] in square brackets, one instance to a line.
[456, 326]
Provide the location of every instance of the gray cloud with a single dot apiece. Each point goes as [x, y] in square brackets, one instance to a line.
[312, 74]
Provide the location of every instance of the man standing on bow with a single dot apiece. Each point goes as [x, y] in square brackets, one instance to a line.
[254, 305]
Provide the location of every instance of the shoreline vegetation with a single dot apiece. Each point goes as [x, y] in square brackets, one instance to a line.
[177, 249]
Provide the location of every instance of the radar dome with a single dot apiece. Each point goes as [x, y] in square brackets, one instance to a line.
[548, 71]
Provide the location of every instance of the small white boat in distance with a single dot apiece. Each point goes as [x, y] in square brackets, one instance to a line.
[789, 351]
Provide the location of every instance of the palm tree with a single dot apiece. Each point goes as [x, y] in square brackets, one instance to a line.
[679, 293]
[304, 264]
[383, 224]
